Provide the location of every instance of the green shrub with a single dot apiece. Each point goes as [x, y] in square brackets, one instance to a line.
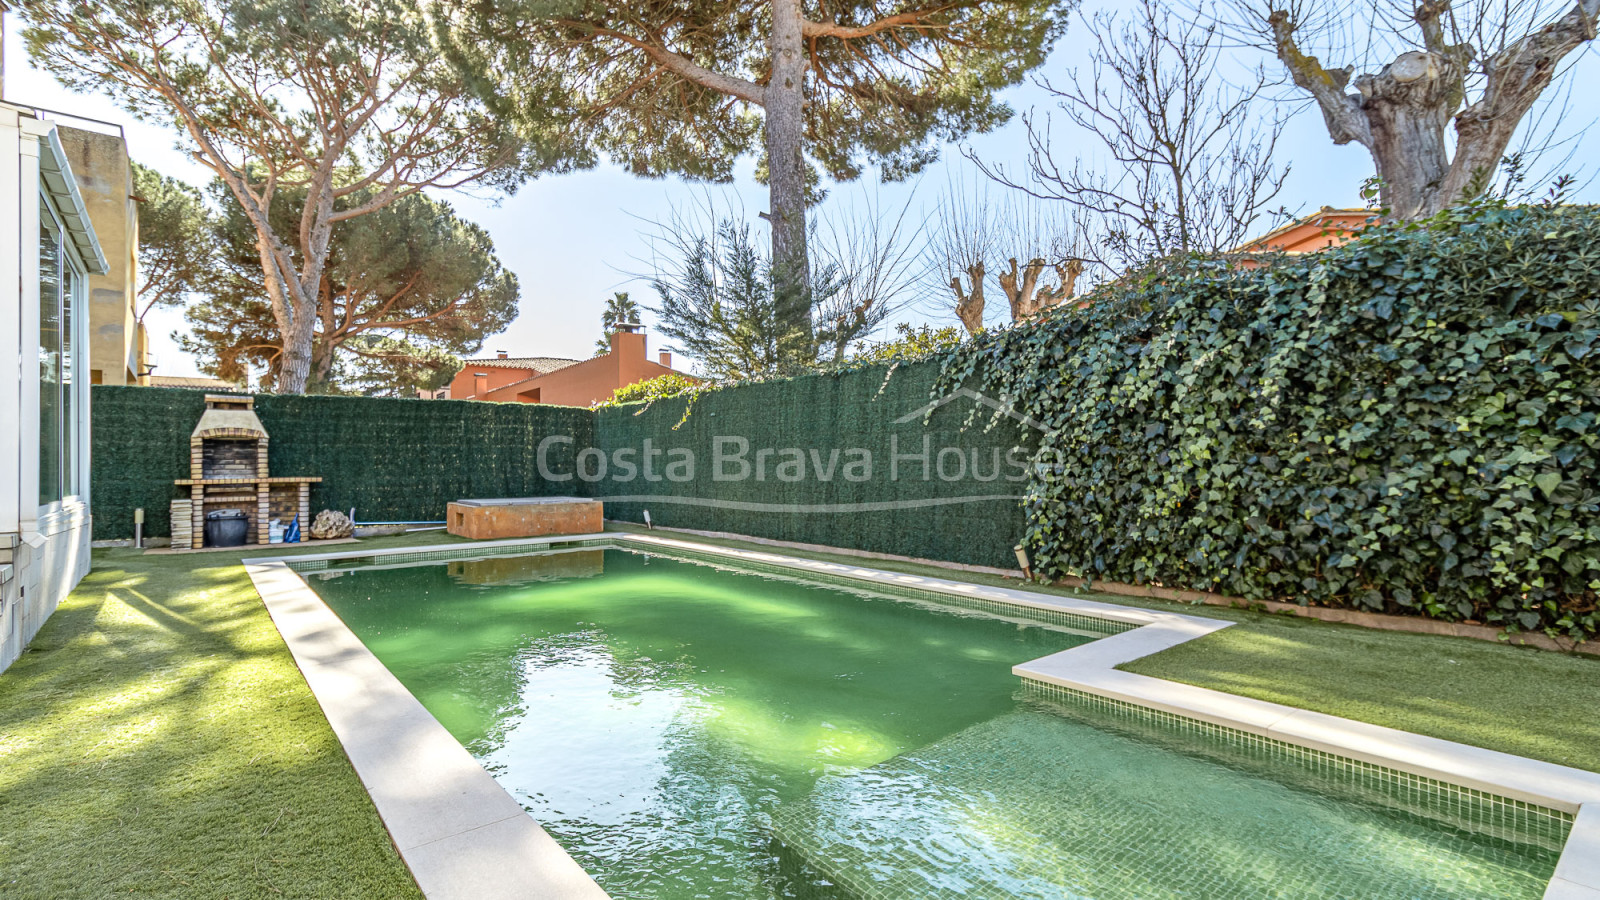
[1407, 424]
[652, 389]
[909, 344]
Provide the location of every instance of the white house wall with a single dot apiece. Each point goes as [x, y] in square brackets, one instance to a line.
[44, 551]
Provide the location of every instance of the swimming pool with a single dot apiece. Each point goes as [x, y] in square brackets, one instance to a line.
[689, 729]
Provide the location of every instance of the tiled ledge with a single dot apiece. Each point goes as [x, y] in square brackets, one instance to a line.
[419, 775]
[1090, 669]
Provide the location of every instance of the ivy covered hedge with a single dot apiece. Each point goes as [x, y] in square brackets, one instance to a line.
[1407, 424]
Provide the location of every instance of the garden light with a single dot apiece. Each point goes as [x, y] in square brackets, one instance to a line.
[1022, 560]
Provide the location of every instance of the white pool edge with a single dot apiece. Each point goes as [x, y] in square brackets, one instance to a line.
[459, 840]
[459, 832]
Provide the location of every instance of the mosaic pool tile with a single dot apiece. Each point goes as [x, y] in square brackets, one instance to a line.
[1038, 805]
[1454, 805]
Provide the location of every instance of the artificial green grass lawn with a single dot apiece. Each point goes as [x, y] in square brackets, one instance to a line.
[156, 739]
[1520, 700]
[1534, 703]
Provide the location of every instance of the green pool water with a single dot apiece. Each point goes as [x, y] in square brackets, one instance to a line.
[687, 731]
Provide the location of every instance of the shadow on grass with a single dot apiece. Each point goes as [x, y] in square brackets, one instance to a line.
[167, 746]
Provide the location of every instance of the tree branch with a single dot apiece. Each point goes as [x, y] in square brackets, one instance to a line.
[812, 29]
[1346, 120]
[679, 65]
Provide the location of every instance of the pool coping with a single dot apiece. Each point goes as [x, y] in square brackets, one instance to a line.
[462, 835]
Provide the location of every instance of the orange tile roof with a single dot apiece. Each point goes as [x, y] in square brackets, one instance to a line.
[541, 364]
[1342, 223]
[179, 381]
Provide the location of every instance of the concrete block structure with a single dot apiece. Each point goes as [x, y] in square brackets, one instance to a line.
[524, 517]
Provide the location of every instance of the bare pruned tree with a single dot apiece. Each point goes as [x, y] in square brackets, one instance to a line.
[973, 234]
[876, 254]
[1192, 157]
[1440, 86]
[965, 235]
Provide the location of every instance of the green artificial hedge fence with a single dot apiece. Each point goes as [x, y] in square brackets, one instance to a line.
[392, 460]
[403, 460]
[1404, 425]
[902, 506]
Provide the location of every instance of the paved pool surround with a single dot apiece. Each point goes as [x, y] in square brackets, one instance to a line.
[463, 836]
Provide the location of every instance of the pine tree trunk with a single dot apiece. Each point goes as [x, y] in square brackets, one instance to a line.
[784, 110]
[322, 355]
[298, 327]
[291, 312]
[294, 367]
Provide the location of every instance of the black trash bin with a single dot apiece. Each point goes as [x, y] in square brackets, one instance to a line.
[227, 528]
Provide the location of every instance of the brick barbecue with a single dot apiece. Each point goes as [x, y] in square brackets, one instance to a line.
[228, 470]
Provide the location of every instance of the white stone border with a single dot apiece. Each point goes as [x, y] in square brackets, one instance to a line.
[405, 757]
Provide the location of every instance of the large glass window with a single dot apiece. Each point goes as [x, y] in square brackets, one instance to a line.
[51, 332]
[61, 287]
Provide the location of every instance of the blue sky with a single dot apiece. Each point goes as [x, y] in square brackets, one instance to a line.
[572, 239]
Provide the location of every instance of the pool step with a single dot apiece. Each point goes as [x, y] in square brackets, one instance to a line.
[1036, 805]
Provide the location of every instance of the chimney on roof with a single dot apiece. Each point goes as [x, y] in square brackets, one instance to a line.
[480, 384]
[501, 353]
[665, 358]
[628, 346]
[629, 327]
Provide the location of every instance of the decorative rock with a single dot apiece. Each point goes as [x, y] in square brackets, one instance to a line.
[330, 524]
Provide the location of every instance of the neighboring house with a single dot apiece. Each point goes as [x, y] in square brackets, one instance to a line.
[48, 253]
[118, 344]
[490, 379]
[1322, 230]
[564, 382]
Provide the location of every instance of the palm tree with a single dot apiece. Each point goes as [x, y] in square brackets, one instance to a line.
[619, 311]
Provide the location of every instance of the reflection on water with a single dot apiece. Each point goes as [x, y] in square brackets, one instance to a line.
[653, 718]
[510, 571]
[664, 719]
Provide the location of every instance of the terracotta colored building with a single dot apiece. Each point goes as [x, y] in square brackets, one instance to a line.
[564, 382]
[1322, 230]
